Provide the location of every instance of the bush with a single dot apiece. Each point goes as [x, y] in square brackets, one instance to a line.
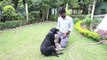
[68, 12]
[8, 11]
[12, 24]
[95, 23]
[86, 32]
[54, 17]
[23, 22]
[19, 16]
[79, 16]
[34, 15]
[9, 24]
[103, 33]
[87, 20]
[75, 20]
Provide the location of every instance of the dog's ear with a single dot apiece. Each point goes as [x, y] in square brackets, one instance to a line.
[54, 30]
[57, 29]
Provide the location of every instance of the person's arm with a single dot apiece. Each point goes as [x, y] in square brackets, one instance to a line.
[70, 25]
[58, 24]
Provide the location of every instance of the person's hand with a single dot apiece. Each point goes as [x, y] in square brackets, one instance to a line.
[64, 36]
[67, 32]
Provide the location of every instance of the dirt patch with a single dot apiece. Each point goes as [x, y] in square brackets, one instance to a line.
[103, 42]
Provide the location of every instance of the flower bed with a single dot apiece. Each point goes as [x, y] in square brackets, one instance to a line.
[86, 32]
[103, 33]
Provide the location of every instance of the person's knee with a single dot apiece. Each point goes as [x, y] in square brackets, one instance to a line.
[63, 44]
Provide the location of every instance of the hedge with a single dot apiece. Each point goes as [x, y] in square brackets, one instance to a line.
[14, 24]
[87, 33]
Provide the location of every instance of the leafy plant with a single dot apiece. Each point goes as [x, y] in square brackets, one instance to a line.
[86, 32]
[4, 3]
[12, 24]
[95, 23]
[9, 24]
[68, 12]
[75, 20]
[103, 33]
[8, 11]
[87, 20]
[19, 16]
[54, 17]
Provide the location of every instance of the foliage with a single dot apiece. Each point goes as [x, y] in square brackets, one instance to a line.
[86, 32]
[74, 3]
[95, 23]
[8, 11]
[13, 24]
[54, 17]
[8, 24]
[19, 16]
[87, 20]
[79, 16]
[68, 12]
[103, 33]
[75, 20]
[34, 15]
[4, 3]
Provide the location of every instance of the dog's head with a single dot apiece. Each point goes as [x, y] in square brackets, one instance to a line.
[54, 30]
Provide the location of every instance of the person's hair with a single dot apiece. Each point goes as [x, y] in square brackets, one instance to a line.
[61, 10]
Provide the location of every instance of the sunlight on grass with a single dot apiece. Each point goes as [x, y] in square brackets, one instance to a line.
[23, 43]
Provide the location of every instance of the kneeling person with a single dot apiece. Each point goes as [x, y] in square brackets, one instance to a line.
[65, 25]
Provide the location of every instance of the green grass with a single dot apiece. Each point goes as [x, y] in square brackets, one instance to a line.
[24, 44]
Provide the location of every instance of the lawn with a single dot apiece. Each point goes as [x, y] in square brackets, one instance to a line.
[23, 43]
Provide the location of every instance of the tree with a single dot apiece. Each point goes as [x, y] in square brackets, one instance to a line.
[89, 4]
[15, 2]
[44, 7]
[26, 8]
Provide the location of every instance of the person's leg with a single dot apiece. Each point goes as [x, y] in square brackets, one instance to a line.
[63, 42]
[57, 44]
[60, 35]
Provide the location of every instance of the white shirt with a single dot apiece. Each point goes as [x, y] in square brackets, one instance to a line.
[65, 24]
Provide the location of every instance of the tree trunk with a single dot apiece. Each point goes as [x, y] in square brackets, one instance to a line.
[26, 9]
[93, 9]
[92, 14]
[47, 14]
[89, 8]
[43, 16]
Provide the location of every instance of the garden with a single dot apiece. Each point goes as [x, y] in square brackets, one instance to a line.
[25, 23]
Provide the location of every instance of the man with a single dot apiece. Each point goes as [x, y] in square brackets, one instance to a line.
[65, 25]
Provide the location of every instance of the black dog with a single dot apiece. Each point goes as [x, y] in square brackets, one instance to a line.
[48, 46]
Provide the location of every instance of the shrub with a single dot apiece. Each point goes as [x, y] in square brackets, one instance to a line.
[75, 20]
[9, 24]
[86, 32]
[103, 33]
[54, 17]
[34, 15]
[79, 16]
[23, 22]
[87, 20]
[8, 11]
[12, 24]
[19, 16]
[68, 12]
[95, 23]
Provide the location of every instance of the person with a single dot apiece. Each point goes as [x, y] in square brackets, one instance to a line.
[65, 26]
